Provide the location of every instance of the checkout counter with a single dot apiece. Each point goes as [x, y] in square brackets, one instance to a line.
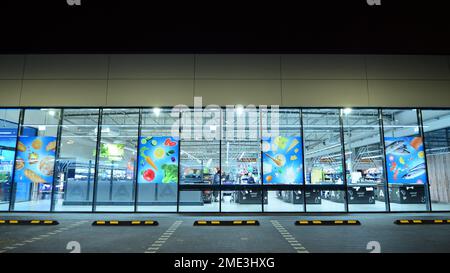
[246, 196]
[296, 196]
[361, 193]
[407, 193]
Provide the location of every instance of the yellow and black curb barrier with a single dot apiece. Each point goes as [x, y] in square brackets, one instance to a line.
[125, 223]
[420, 222]
[227, 223]
[327, 223]
[29, 222]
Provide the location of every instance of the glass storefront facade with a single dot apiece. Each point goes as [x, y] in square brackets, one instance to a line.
[224, 159]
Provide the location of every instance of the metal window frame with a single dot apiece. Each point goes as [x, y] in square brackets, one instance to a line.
[57, 154]
[12, 190]
[303, 187]
[427, 185]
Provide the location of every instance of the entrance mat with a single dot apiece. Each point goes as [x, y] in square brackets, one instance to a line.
[327, 223]
[125, 223]
[227, 223]
[29, 222]
[427, 222]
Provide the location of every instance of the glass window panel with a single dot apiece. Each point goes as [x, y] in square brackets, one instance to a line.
[117, 160]
[200, 158]
[243, 200]
[75, 166]
[323, 159]
[282, 158]
[205, 200]
[35, 160]
[364, 160]
[324, 200]
[436, 127]
[158, 192]
[284, 201]
[405, 161]
[8, 135]
[241, 158]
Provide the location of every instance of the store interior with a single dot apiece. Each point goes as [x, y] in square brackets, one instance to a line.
[345, 164]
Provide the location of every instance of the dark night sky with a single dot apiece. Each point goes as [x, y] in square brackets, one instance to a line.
[339, 26]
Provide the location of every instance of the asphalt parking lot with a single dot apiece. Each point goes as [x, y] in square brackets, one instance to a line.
[177, 234]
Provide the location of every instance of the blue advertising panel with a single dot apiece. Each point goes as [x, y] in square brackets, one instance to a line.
[405, 160]
[34, 164]
[158, 160]
[282, 160]
[8, 137]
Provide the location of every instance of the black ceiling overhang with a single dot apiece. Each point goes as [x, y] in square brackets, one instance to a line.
[319, 26]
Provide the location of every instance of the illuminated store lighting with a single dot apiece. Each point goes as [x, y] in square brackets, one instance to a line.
[347, 111]
[156, 111]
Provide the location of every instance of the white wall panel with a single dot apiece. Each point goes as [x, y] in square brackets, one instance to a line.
[324, 93]
[407, 67]
[409, 93]
[11, 66]
[237, 66]
[225, 92]
[63, 93]
[150, 92]
[69, 66]
[10, 92]
[323, 66]
[152, 66]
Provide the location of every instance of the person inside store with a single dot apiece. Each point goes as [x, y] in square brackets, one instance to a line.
[216, 181]
[225, 177]
[250, 178]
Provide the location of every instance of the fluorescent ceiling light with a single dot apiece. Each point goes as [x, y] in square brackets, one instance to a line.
[347, 110]
[239, 109]
[372, 157]
[156, 111]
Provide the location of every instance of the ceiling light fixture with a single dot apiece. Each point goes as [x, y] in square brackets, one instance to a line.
[239, 109]
[156, 111]
[347, 110]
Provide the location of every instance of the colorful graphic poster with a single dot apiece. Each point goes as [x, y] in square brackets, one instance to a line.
[282, 160]
[405, 160]
[35, 159]
[158, 160]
